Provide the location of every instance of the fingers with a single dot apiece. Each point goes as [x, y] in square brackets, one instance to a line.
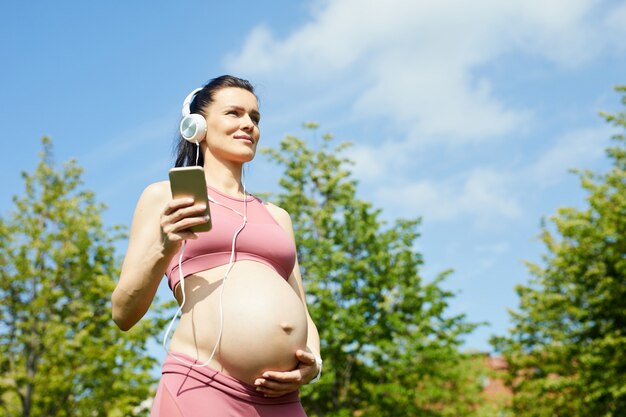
[279, 386]
[176, 204]
[277, 392]
[283, 377]
[274, 383]
[305, 357]
[179, 215]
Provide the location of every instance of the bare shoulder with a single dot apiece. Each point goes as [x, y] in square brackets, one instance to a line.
[281, 215]
[155, 193]
[276, 211]
[152, 200]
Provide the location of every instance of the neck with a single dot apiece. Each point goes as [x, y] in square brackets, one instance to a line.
[224, 175]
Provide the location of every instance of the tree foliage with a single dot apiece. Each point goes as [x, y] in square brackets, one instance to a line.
[389, 347]
[60, 353]
[566, 349]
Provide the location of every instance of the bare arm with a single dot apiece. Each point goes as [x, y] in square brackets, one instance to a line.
[156, 234]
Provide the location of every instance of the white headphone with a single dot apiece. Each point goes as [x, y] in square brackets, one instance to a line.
[192, 126]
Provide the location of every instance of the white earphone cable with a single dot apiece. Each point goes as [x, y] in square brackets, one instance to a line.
[231, 263]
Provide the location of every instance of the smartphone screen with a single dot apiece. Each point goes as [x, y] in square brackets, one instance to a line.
[190, 182]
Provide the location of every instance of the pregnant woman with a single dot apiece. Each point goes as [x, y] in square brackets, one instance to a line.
[245, 342]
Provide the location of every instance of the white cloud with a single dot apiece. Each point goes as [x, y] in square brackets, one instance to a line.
[493, 249]
[419, 60]
[422, 70]
[479, 194]
[487, 196]
[375, 162]
[566, 34]
[438, 104]
[575, 149]
[616, 25]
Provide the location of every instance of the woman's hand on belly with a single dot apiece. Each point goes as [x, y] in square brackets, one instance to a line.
[276, 384]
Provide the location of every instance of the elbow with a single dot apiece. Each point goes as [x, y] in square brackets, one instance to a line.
[124, 325]
[122, 322]
[119, 316]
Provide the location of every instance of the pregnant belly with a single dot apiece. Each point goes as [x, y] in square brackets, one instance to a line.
[264, 321]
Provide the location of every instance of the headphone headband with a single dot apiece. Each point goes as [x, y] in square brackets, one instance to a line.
[192, 126]
[188, 100]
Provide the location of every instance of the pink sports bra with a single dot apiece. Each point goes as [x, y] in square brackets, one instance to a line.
[262, 240]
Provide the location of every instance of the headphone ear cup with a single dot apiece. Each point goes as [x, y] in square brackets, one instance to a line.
[193, 128]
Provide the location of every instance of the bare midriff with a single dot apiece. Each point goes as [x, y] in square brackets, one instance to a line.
[264, 321]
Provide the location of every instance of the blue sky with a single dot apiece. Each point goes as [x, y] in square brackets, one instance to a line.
[468, 114]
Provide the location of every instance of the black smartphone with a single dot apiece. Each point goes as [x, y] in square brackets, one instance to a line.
[190, 182]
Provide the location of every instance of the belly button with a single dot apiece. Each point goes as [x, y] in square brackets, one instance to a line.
[286, 327]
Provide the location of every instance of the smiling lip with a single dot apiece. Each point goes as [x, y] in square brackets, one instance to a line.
[244, 137]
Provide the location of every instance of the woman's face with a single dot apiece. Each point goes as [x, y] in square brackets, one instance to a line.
[233, 125]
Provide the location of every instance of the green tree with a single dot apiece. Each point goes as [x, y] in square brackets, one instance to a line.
[389, 347]
[567, 347]
[60, 352]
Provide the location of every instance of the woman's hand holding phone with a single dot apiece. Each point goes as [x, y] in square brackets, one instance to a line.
[179, 217]
[188, 211]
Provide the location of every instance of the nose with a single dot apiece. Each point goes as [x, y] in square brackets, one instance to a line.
[247, 123]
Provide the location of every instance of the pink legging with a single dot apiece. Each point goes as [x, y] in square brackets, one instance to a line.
[186, 391]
